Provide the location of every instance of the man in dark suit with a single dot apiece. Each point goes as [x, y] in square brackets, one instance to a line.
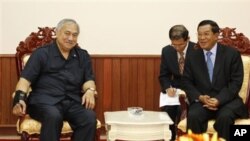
[172, 63]
[212, 79]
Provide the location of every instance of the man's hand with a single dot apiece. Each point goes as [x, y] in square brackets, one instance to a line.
[204, 99]
[171, 91]
[210, 103]
[213, 104]
[19, 109]
[89, 99]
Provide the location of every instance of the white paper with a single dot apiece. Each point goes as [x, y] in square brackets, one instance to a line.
[167, 100]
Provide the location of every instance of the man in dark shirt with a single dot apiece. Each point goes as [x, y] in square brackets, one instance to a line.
[63, 87]
[172, 64]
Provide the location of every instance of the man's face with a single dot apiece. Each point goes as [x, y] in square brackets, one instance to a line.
[206, 38]
[67, 36]
[179, 44]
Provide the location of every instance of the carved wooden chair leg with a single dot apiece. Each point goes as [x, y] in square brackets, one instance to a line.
[25, 137]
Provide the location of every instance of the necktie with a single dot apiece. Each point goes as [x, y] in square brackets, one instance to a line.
[181, 62]
[210, 65]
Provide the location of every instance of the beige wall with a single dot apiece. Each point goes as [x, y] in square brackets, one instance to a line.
[118, 26]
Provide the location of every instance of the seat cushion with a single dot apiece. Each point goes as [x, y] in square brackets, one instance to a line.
[182, 125]
[245, 85]
[242, 122]
[32, 126]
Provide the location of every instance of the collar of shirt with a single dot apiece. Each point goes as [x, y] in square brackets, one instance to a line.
[214, 51]
[56, 52]
[184, 51]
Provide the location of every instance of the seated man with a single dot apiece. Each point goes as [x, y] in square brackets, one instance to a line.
[171, 69]
[212, 79]
[63, 87]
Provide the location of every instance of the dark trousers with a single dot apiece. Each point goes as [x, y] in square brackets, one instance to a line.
[81, 120]
[174, 112]
[198, 117]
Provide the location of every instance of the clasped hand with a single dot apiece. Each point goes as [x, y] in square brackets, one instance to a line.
[208, 102]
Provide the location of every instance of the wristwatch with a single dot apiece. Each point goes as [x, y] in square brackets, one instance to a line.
[93, 90]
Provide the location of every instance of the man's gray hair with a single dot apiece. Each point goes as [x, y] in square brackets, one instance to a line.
[178, 32]
[64, 21]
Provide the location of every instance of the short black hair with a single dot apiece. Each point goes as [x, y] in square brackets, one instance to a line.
[213, 24]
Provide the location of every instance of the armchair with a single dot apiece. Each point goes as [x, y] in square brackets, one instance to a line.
[26, 126]
[228, 36]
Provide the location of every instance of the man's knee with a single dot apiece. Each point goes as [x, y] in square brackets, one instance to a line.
[86, 118]
[92, 117]
[193, 115]
[53, 116]
[227, 118]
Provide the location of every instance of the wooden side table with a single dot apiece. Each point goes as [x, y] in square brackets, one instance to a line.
[148, 126]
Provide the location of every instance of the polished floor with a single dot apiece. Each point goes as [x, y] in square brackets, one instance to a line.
[17, 138]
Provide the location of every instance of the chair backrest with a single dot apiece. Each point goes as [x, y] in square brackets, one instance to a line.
[228, 36]
[35, 40]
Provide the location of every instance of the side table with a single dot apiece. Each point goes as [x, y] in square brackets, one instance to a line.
[150, 125]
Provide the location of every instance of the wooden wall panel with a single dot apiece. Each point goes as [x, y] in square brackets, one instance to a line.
[116, 78]
[149, 84]
[122, 81]
[141, 82]
[8, 78]
[156, 83]
[1, 87]
[133, 81]
[107, 84]
[99, 67]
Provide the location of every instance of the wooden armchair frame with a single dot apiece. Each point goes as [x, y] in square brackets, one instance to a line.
[35, 40]
[228, 36]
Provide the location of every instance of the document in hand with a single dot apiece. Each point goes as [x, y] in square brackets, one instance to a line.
[167, 100]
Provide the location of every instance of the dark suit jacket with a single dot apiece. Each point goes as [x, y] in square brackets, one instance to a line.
[227, 78]
[169, 69]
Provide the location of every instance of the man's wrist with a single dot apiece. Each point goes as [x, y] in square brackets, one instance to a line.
[19, 95]
[91, 89]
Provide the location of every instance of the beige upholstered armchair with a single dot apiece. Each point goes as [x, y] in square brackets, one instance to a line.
[26, 126]
[228, 36]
